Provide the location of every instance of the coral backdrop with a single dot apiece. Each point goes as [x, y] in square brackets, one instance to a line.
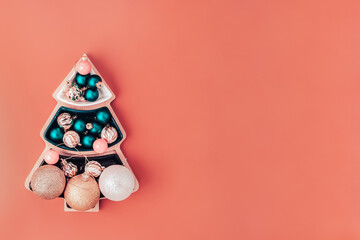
[242, 117]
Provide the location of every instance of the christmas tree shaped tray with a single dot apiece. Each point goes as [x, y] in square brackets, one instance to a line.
[74, 125]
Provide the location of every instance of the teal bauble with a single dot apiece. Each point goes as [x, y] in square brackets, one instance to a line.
[91, 95]
[103, 116]
[87, 141]
[92, 81]
[56, 134]
[81, 80]
[79, 125]
[96, 129]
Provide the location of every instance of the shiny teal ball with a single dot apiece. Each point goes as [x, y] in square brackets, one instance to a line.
[56, 134]
[87, 141]
[81, 80]
[92, 80]
[91, 95]
[96, 129]
[103, 116]
[79, 125]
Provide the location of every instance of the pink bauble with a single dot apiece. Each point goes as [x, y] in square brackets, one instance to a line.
[51, 156]
[100, 146]
[83, 67]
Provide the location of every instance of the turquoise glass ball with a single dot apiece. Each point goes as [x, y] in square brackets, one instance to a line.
[103, 116]
[79, 126]
[81, 79]
[96, 129]
[92, 80]
[56, 134]
[91, 95]
[87, 141]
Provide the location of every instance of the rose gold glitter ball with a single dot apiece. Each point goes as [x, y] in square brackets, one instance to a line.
[48, 182]
[82, 193]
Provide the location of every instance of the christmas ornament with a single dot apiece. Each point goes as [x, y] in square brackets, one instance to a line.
[79, 125]
[87, 141]
[81, 79]
[74, 93]
[100, 146]
[65, 121]
[116, 182]
[69, 168]
[89, 126]
[103, 116]
[92, 81]
[83, 67]
[93, 168]
[51, 156]
[91, 95]
[82, 193]
[99, 85]
[56, 134]
[71, 139]
[96, 129]
[109, 134]
[48, 182]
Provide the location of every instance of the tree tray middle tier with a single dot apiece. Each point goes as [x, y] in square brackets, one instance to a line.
[89, 116]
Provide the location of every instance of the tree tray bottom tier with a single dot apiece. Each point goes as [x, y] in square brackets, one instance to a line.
[80, 162]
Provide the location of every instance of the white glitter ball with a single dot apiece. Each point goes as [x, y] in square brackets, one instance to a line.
[116, 182]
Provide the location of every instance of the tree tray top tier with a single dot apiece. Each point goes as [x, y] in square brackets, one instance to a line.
[105, 93]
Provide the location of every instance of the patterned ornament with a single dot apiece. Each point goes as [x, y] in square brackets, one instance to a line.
[65, 121]
[74, 93]
[69, 168]
[93, 168]
[109, 134]
[71, 139]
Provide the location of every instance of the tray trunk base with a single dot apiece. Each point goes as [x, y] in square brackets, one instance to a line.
[68, 209]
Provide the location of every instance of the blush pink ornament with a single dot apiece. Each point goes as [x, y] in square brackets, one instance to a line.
[100, 145]
[83, 67]
[51, 156]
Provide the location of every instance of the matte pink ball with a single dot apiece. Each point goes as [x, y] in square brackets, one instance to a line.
[100, 146]
[83, 67]
[51, 156]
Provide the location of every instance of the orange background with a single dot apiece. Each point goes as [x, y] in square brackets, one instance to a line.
[243, 117]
